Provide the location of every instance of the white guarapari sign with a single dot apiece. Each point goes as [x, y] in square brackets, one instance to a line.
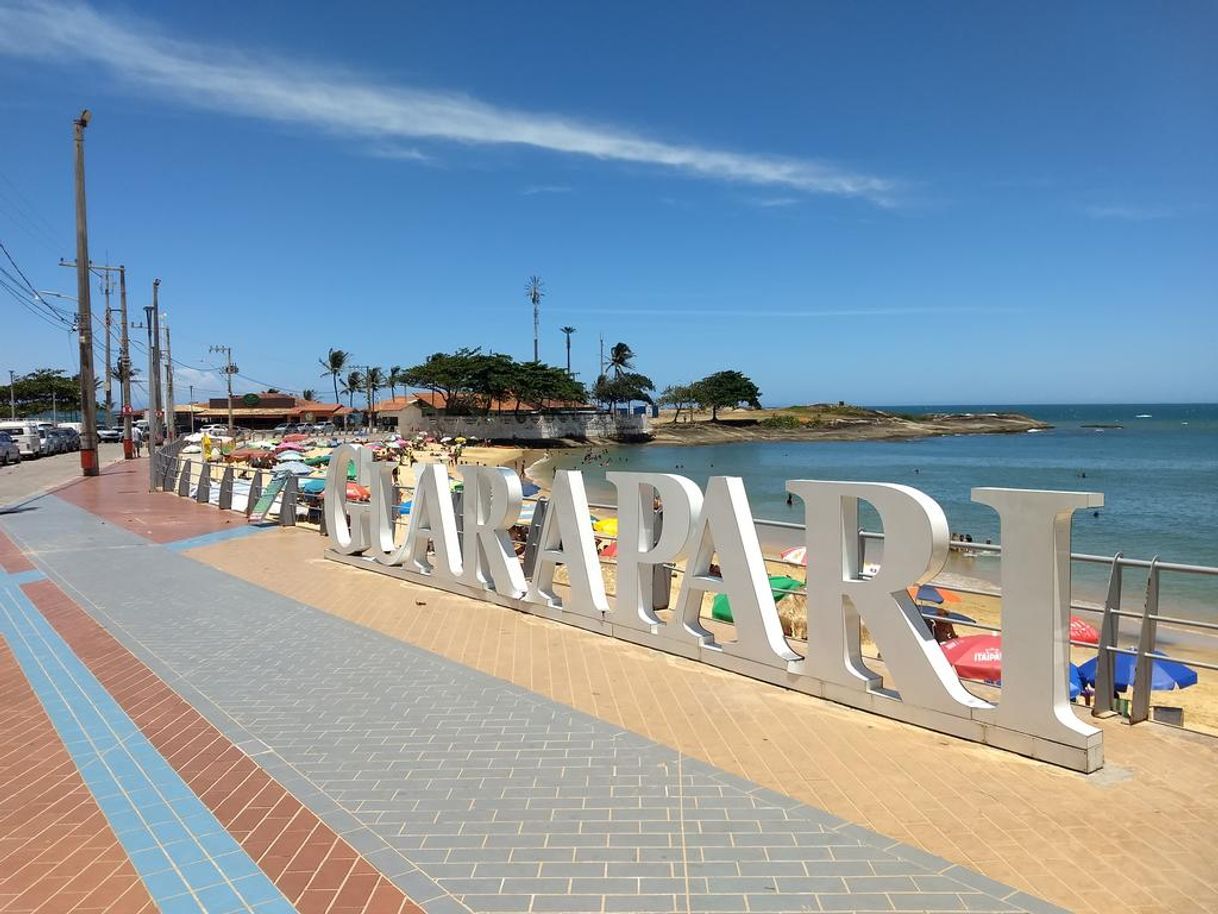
[1033, 718]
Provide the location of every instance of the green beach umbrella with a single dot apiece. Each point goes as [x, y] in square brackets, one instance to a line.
[319, 460]
[780, 585]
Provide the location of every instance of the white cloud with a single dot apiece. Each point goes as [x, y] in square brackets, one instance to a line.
[352, 106]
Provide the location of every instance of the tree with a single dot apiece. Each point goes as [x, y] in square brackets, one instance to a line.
[374, 380]
[567, 331]
[353, 383]
[624, 388]
[472, 382]
[40, 391]
[727, 389]
[334, 363]
[393, 380]
[309, 394]
[621, 359]
[535, 291]
[681, 397]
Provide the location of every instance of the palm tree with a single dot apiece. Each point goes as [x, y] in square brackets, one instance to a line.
[567, 331]
[535, 291]
[353, 383]
[621, 358]
[374, 380]
[309, 394]
[393, 379]
[334, 363]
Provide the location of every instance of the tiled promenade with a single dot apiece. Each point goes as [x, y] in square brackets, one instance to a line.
[338, 741]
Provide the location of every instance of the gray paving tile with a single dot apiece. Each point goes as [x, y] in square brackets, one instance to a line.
[471, 793]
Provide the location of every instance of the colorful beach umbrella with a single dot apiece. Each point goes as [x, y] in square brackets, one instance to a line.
[1084, 631]
[928, 593]
[1165, 674]
[781, 587]
[293, 468]
[976, 656]
[796, 555]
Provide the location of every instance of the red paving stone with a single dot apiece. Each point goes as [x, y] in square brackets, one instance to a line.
[12, 559]
[57, 851]
[314, 868]
[121, 497]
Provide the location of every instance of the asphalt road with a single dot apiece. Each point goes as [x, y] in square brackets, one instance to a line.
[21, 481]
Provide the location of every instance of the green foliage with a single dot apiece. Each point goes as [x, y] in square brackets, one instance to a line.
[38, 391]
[472, 382]
[727, 389]
[625, 387]
[781, 421]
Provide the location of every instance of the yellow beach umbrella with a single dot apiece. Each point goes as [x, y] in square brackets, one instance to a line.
[607, 526]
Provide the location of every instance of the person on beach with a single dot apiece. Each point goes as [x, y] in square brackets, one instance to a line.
[137, 439]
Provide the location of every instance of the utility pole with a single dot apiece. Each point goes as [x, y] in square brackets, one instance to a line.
[54, 406]
[192, 408]
[171, 418]
[12, 396]
[229, 370]
[152, 392]
[109, 397]
[159, 435]
[88, 397]
[124, 361]
[124, 356]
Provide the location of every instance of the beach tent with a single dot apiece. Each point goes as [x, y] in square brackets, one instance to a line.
[780, 585]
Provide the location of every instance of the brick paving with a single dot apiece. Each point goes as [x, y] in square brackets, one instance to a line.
[316, 870]
[120, 497]
[470, 793]
[57, 852]
[1138, 836]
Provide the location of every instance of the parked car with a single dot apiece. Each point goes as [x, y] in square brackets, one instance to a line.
[214, 431]
[324, 428]
[288, 428]
[50, 444]
[106, 433]
[25, 434]
[9, 452]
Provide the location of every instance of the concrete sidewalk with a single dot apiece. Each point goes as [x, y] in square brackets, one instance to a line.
[467, 792]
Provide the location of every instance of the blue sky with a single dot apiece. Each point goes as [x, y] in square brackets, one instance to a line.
[881, 203]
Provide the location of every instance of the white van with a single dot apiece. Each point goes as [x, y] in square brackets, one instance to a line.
[26, 436]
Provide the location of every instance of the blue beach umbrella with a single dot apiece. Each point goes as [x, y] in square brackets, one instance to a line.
[1076, 682]
[1165, 674]
[404, 508]
[929, 594]
[528, 488]
[313, 486]
[935, 615]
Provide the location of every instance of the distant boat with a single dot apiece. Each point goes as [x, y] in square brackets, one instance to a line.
[1143, 416]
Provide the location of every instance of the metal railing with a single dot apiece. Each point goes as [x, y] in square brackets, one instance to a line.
[177, 472]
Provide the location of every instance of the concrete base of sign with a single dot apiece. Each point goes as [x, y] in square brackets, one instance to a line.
[1086, 757]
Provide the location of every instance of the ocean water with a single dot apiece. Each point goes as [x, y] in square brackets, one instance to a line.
[1158, 475]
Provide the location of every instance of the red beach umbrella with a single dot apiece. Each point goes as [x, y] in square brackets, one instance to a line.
[1082, 630]
[976, 656]
[356, 492]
